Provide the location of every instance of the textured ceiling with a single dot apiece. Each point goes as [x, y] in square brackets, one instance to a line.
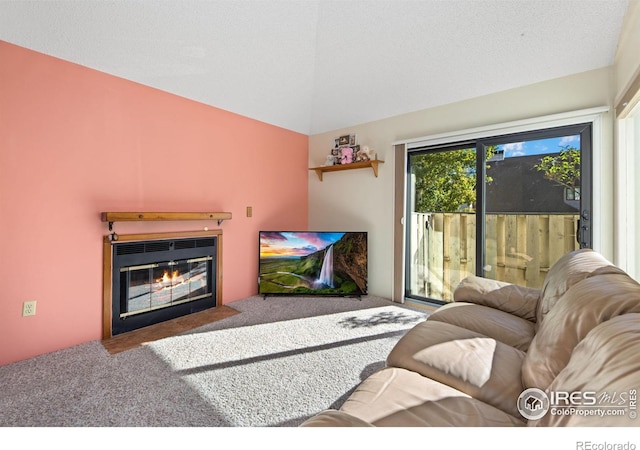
[317, 65]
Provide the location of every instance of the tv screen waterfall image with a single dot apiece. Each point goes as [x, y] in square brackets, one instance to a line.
[317, 263]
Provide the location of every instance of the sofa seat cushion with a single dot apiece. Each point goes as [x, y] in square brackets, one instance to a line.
[394, 397]
[504, 327]
[477, 365]
[606, 362]
[587, 304]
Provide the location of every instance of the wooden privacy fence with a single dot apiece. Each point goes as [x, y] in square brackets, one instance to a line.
[520, 248]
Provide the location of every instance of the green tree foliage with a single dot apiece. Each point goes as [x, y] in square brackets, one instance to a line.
[563, 168]
[446, 181]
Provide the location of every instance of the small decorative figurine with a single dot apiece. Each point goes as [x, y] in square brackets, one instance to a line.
[347, 155]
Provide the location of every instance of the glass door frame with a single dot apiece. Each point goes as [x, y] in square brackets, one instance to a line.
[585, 232]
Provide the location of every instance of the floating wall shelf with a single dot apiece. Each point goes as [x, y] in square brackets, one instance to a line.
[357, 165]
[155, 216]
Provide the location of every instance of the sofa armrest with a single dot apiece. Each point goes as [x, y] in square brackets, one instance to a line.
[334, 418]
[518, 300]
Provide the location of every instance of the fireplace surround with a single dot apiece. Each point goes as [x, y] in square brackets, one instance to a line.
[152, 278]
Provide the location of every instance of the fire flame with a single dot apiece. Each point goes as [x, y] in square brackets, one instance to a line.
[169, 278]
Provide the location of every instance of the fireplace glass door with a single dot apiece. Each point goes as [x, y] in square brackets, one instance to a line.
[153, 286]
[158, 280]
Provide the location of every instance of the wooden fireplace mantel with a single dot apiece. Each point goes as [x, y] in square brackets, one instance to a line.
[112, 217]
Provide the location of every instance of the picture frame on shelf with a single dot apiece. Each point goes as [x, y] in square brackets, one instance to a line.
[337, 155]
[348, 140]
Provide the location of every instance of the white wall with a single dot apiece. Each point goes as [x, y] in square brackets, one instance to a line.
[627, 60]
[356, 200]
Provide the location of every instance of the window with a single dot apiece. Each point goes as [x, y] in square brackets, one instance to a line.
[572, 193]
[627, 246]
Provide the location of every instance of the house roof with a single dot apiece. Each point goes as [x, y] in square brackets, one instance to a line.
[317, 65]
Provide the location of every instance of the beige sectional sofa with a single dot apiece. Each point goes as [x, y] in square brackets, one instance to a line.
[567, 354]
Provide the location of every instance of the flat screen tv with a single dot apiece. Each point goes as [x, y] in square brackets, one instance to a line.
[313, 263]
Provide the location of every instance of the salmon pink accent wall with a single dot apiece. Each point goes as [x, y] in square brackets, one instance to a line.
[75, 142]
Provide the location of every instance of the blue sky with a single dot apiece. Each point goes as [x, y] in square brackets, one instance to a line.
[294, 244]
[540, 147]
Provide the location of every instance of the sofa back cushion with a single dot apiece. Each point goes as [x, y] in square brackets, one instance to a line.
[606, 363]
[520, 301]
[606, 294]
[564, 273]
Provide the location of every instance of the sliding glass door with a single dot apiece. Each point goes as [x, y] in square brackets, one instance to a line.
[504, 207]
[441, 226]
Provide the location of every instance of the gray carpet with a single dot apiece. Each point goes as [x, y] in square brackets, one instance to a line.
[275, 364]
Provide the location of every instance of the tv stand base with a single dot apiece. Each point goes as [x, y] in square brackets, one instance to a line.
[358, 296]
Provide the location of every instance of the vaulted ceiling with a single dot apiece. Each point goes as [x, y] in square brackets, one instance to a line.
[318, 65]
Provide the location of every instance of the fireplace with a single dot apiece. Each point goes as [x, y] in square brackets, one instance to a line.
[159, 278]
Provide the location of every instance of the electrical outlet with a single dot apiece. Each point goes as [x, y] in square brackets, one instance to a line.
[249, 211]
[29, 308]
